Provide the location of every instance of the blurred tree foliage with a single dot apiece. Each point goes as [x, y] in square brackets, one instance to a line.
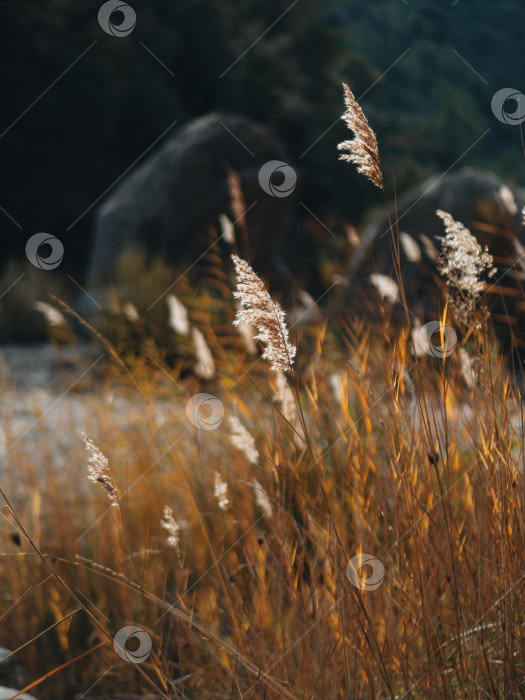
[117, 99]
[62, 147]
[431, 107]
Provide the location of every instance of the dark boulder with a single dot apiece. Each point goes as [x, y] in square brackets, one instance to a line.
[487, 206]
[167, 204]
[11, 674]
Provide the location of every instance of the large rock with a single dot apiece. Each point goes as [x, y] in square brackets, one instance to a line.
[11, 673]
[167, 203]
[8, 693]
[489, 207]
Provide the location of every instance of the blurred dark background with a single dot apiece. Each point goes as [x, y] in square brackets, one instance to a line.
[63, 144]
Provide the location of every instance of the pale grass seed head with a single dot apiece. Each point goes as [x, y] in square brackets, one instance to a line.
[420, 340]
[98, 469]
[205, 365]
[338, 385]
[429, 248]
[227, 230]
[284, 396]
[178, 316]
[130, 312]
[258, 309]
[247, 333]
[169, 524]
[464, 264]
[468, 369]
[386, 287]
[507, 200]
[221, 491]
[362, 149]
[53, 316]
[410, 247]
[261, 499]
[242, 439]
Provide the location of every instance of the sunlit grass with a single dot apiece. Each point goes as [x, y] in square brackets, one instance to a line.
[400, 460]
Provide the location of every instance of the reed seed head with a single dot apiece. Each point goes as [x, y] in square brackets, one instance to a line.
[258, 309]
[362, 149]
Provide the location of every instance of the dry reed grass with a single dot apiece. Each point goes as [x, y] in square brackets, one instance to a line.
[236, 564]
[403, 461]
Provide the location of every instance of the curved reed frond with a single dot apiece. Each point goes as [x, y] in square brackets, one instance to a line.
[362, 149]
[259, 310]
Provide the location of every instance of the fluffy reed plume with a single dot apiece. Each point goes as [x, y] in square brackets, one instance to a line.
[227, 230]
[205, 366]
[362, 149]
[53, 316]
[221, 491]
[258, 309]
[464, 264]
[468, 370]
[178, 319]
[130, 311]
[285, 398]
[420, 345]
[336, 381]
[352, 236]
[410, 247]
[247, 333]
[261, 499]
[387, 288]
[98, 469]
[169, 524]
[430, 249]
[243, 440]
[507, 200]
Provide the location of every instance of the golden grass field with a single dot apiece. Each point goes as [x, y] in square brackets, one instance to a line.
[381, 453]
[352, 529]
